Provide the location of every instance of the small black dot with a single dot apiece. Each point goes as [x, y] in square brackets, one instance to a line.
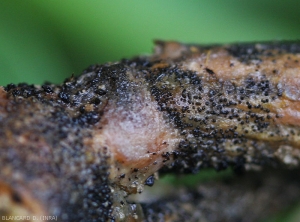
[150, 181]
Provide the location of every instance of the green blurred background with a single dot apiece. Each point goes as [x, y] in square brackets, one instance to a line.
[50, 40]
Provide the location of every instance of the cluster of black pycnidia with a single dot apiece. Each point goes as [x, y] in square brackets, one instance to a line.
[204, 134]
[24, 90]
[97, 198]
[253, 52]
[66, 125]
[199, 121]
[91, 88]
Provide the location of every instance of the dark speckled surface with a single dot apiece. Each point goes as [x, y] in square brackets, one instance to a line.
[226, 105]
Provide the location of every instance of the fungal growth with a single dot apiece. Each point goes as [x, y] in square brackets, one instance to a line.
[81, 150]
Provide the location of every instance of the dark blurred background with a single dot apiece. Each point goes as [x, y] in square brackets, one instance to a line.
[50, 40]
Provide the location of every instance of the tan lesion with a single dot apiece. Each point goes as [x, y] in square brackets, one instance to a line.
[3, 101]
[19, 203]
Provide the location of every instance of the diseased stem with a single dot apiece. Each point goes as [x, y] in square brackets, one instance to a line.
[87, 145]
